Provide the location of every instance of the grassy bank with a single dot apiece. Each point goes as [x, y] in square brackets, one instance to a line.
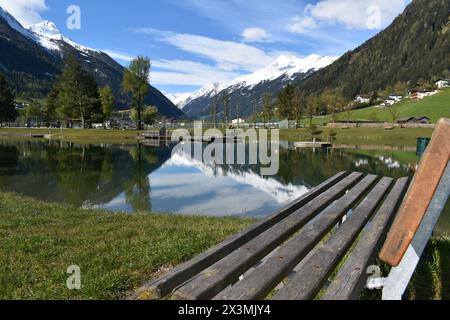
[362, 136]
[354, 136]
[116, 252]
[74, 135]
[434, 107]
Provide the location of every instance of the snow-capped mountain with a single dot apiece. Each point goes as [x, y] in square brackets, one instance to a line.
[32, 57]
[248, 88]
[50, 37]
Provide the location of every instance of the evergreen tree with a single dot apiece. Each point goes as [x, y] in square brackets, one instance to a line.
[8, 110]
[135, 81]
[77, 95]
[286, 102]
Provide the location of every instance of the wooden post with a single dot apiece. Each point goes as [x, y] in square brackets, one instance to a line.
[420, 194]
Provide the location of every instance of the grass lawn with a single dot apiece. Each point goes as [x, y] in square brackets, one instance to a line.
[362, 136]
[434, 107]
[116, 252]
[75, 135]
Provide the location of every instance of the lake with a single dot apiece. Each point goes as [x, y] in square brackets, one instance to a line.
[131, 178]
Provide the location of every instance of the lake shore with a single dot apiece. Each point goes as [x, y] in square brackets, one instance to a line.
[352, 136]
[115, 252]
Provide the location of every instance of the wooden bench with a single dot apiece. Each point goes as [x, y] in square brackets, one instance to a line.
[335, 230]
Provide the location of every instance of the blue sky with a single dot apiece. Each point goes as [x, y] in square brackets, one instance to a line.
[193, 42]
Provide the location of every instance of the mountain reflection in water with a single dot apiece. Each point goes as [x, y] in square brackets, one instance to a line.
[134, 178]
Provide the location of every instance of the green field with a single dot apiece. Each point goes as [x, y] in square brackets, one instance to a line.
[116, 252]
[434, 107]
[399, 137]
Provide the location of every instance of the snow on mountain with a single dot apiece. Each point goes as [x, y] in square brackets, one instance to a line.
[48, 36]
[284, 66]
[44, 33]
[178, 98]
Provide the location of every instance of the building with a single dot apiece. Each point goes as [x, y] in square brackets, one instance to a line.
[396, 97]
[389, 102]
[420, 95]
[362, 99]
[237, 121]
[441, 84]
[414, 120]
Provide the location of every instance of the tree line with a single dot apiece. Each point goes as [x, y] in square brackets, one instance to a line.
[76, 98]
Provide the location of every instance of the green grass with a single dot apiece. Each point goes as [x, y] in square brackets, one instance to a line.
[434, 107]
[116, 252]
[432, 278]
[74, 135]
[362, 136]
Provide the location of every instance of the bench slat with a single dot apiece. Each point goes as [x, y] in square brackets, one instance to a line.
[307, 282]
[260, 282]
[217, 277]
[419, 196]
[165, 285]
[352, 277]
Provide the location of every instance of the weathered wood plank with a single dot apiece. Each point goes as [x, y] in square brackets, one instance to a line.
[217, 277]
[165, 285]
[352, 277]
[314, 273]
[419, 196]
[260, 282]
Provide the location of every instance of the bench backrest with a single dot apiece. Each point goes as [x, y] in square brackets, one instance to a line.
[420, 194]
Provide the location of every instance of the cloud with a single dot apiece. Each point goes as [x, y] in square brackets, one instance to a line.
[353, 14]
[185, 72]
[302, 24]
[227, 55]
[256, 35]
[118, 55]
[27, 12]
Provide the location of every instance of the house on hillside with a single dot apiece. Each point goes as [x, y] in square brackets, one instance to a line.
[441, 84]
[396, 97]
[389, 102]
[414, 120]
[362, 99]
[421, 94]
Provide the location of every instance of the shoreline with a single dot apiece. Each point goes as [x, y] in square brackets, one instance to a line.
[399, 137]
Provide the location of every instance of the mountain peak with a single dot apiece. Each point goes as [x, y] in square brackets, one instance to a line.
[46, 29]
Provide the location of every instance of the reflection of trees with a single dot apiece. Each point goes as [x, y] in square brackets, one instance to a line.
[78, 174]
[137, 189]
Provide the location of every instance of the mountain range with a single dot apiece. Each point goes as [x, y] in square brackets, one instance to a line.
[414, 50]
[31, 58]
[247, 90]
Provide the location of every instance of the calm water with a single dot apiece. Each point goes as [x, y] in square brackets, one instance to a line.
[131, 178]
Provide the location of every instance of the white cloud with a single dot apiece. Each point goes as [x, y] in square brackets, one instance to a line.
[27, 12]
[183, 72]
[302, 24]
[353, 14]
[118, 55]
[228, 55]
[256, 35]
